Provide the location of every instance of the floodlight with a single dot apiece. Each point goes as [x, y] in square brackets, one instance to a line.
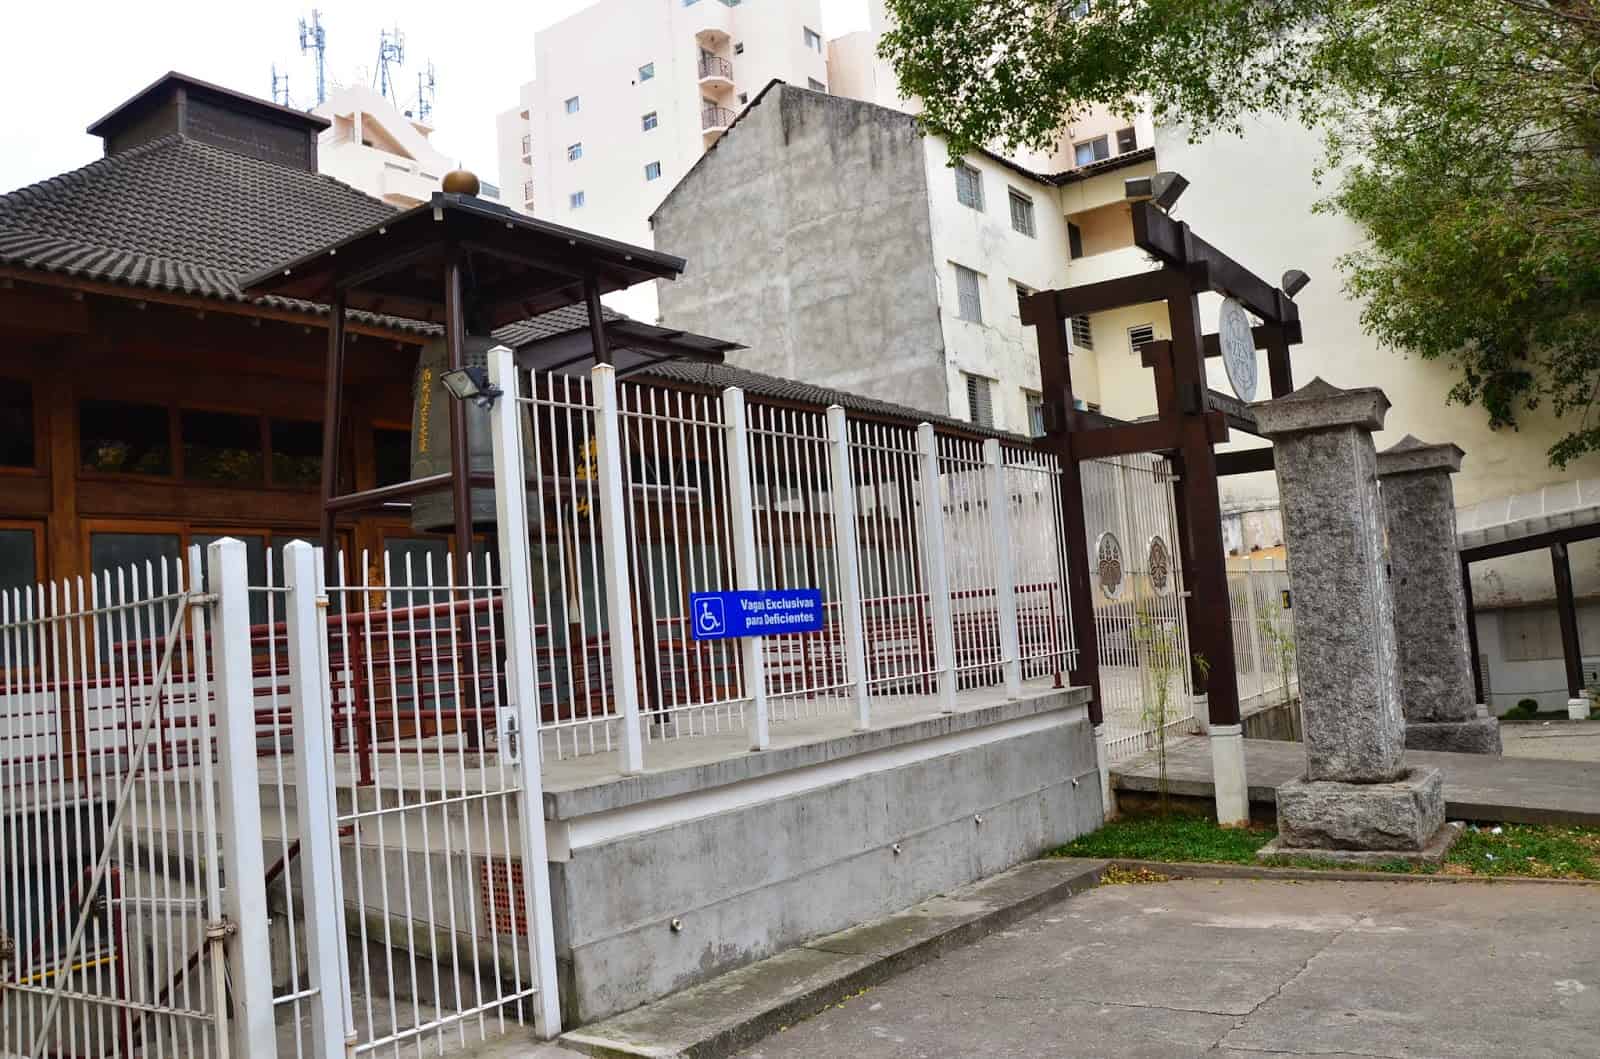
[1294, 281]
[471, 384]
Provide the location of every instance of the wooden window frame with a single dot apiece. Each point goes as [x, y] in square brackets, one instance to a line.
[39, 528]
[41, 433]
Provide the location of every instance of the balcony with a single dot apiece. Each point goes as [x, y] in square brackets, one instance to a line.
[715, 72]
[715, 119]
[527, 146]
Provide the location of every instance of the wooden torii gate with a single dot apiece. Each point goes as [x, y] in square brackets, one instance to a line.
[1190, 419]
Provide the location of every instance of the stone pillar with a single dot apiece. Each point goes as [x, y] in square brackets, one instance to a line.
[1430, 609]
[1358, 801]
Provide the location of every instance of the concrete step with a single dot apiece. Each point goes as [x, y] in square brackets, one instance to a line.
[730, 1012]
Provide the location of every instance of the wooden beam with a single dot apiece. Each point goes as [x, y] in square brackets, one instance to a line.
[332, 421]
[1532, 542]
[1095, 297]
[455, 336]
[1264, 336]
[1248, 461]
[1151, 435]
[1235, 411]
[1172, 242]
[1472, 631]
[371, 498]
[1567, 612]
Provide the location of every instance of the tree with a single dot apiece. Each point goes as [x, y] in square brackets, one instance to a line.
[1464, 135]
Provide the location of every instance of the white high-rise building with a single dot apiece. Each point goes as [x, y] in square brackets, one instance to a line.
[627, 96]
[374, 146]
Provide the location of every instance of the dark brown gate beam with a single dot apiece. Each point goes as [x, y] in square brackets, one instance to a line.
[1567, 610]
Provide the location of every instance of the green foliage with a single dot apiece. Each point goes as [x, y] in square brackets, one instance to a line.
[1522, 711]
[1463, 133]
[1277, 639]
[1160, 656]
[1523, 849]
[1172, 838]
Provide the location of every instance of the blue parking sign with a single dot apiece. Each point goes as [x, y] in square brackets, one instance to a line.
[726, 615]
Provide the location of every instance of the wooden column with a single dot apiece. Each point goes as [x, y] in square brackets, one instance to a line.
[1279, 374]
[1060, 411]
[1567, 610]
[597, 321]
[455, 337]
[65, 550]
[332, 428]
[1472, 630]
[1209, 613]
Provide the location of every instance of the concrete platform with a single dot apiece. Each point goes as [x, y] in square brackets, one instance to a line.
[1477, 787]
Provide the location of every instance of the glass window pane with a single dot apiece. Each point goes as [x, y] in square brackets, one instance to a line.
[255, 561]
[221, 447]
[296, 452]
[19, 559]
[392, 456]
[114, 551]
[126, 438]
[16, 424]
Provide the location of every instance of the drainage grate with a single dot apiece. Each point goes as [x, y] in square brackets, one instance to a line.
[500, 894]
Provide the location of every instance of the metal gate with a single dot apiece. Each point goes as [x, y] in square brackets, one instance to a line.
[112, 928]
[1137, 592]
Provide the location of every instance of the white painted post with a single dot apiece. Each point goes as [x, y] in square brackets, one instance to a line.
[1228, 775]
[1102, 762]
[1264, 667]
[316, 802]
[935, 568]
[746, 561]
[244, 899]
[1005, 573]
[511, 522]
[845, 548]
[614, 541]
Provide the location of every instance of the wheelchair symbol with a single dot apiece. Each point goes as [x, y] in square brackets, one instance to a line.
[709, 620]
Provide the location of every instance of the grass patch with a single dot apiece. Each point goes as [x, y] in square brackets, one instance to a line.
[1172, 838]
[1510, 850]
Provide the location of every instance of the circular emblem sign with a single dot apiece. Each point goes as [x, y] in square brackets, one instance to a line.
[1160, 566]
[1238, 349]
[1108, 556]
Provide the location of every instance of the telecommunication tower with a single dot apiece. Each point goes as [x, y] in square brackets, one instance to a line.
[280, 87]
[425, 94]
[313, 38]
[391, 50]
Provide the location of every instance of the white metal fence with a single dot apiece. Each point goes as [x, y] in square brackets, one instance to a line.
[1263, 631]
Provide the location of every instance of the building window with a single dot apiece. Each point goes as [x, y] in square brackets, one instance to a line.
[221, 447]
[738, 47]
[813, 39]
[1127, 140]
[648, 122]
[1074, 241]
[1035, 413]
[527, 191]
[16, 424]
[19, 558]
[815, 85]
[1021, 213]
[652, 171]
[574, 151]
[1139, 336]
[572, 104]
[690, 3]
[969, 186]
[575, 200]
[1023, 293]
[980, 407]
[391, 456]
[969, 306]
[115, 551]
[124, 438]
[647, 71]
[527, 144]
[1082, 334]
[296, 451]
[744, 97]
[1092, 150]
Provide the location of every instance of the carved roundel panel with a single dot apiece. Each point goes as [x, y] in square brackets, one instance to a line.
[1160, 566]
[1108, 560]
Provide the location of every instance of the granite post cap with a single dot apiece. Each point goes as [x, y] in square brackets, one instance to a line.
[1320, 405]
[1409, 455]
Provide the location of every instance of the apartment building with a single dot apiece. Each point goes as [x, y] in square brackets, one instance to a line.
[842, 247]
[374, 146]
[605, 129]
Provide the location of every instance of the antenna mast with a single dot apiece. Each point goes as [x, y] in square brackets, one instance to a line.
[312, 38]
[280, 87]
[391, 49]
[425, 94]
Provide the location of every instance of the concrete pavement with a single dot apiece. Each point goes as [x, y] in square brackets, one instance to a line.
[1241, 968]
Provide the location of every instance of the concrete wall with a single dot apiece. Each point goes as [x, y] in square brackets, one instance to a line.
[806, 841]
[772, 224]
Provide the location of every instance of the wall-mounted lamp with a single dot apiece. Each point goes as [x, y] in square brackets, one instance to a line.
[1294, 281]
[1164, 188]
[471, 384]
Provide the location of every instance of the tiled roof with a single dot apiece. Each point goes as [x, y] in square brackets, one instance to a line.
[182, 216]
[548, 325]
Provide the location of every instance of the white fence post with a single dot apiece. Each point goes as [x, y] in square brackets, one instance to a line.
[1005, 576]
[614, 541]
[244, 899]
[746, 561]
[516, 577]
[849, 556]
[935, 569]
[1263, 669]
[316, 800]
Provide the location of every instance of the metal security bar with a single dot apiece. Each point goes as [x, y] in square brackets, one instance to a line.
[1137, 579]
[973, 564]
[1263, 631]
[1039, 562]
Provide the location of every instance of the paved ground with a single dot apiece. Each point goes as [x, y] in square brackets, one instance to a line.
[1242, 969]
[1553, 740]
[1476, 786]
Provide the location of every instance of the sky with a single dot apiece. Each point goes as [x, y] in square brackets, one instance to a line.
[64, 65]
